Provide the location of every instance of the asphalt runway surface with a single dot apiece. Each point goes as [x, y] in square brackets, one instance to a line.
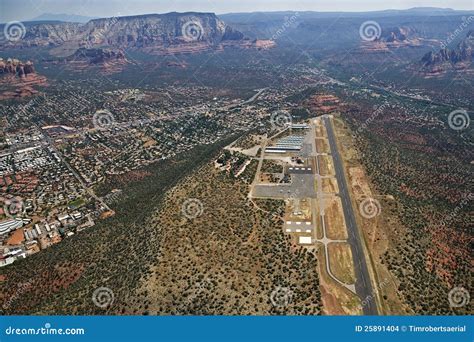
[363, 285]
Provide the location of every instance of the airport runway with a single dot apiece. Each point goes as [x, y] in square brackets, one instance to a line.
[363, 285]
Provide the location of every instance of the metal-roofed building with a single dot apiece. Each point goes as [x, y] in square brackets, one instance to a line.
[291, 143]
[9, 225]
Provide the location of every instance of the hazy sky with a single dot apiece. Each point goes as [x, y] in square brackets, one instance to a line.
[27, 9]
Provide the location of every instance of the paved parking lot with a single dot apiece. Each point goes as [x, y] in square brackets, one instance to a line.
[302, 186]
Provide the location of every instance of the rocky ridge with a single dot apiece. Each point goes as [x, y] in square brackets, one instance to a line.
[458, 58]
[154, 33]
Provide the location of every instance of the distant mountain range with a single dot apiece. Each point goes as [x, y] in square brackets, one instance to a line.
[192, 32]
[73, 18]
[152, 33]
[416, 11]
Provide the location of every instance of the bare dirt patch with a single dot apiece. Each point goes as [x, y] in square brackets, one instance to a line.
[320, 129]
[298, 210]
[326, 167]
[330, 185]
[359, 182]
[334, 218]
[16, 238]
[341, 262]
[325, 103]
[322, 146]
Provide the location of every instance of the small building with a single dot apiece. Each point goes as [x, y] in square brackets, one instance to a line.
[305, 240]
[63, 217]
[9, 225]
[76, 215]
[299, 126]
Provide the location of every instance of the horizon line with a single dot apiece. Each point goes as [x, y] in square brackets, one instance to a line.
[254, 12]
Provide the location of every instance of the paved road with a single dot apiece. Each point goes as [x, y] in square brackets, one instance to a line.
[363, 285]
[250, 100]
